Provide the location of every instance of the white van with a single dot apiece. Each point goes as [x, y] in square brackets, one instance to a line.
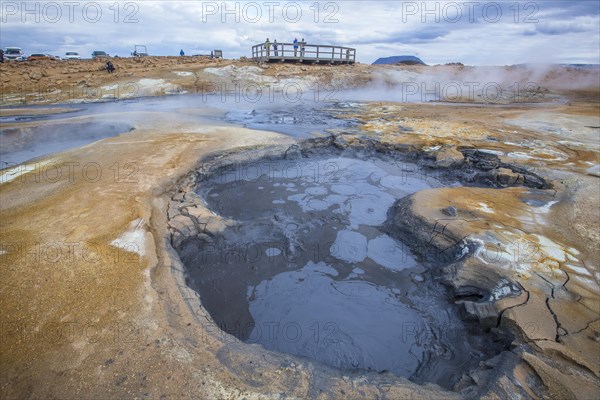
[71, 55]
[14, 54]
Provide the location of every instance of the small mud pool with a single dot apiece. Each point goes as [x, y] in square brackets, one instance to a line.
[302, 266]
[304, 119]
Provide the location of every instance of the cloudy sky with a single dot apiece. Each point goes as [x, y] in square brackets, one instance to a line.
[472, 32]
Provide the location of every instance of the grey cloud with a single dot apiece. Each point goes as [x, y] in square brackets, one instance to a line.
[570, 8]
[559, 29]
[422, 36]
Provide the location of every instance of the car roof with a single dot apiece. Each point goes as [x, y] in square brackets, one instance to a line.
[39, 54]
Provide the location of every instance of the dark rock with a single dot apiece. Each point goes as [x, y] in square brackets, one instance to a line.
[486, 312]
[481, 160]
[432, 242]
[340, 142]
[464, 382]
[501, 177]
[472, 275]
[450, 211]
[293, 153]
[535, 181]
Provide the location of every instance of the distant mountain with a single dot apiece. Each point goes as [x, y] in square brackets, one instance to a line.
[577, 66]
[409, 60]
[583, 66]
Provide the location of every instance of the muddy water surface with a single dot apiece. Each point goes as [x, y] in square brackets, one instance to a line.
[308, 270]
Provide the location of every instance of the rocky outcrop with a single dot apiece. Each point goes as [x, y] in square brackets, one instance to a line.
[189, 218]
[525, 302]
[449, 157]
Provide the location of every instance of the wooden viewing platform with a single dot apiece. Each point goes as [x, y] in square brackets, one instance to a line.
[313, 53]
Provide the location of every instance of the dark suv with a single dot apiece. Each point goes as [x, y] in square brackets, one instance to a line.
[99, 54]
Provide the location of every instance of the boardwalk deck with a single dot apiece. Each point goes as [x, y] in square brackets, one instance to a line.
[312, 53]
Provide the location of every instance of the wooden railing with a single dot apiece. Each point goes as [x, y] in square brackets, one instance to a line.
[309, 53]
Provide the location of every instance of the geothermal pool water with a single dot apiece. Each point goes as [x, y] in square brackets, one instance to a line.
[300, 120]
[19, 145]
[308, 269]
[22, 142]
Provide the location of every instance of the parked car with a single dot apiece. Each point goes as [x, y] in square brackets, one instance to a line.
[40, 57]
[14, 54]
[71, 55]
[99, 54]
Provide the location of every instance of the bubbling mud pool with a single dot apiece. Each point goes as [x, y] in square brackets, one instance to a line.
[304, 267]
